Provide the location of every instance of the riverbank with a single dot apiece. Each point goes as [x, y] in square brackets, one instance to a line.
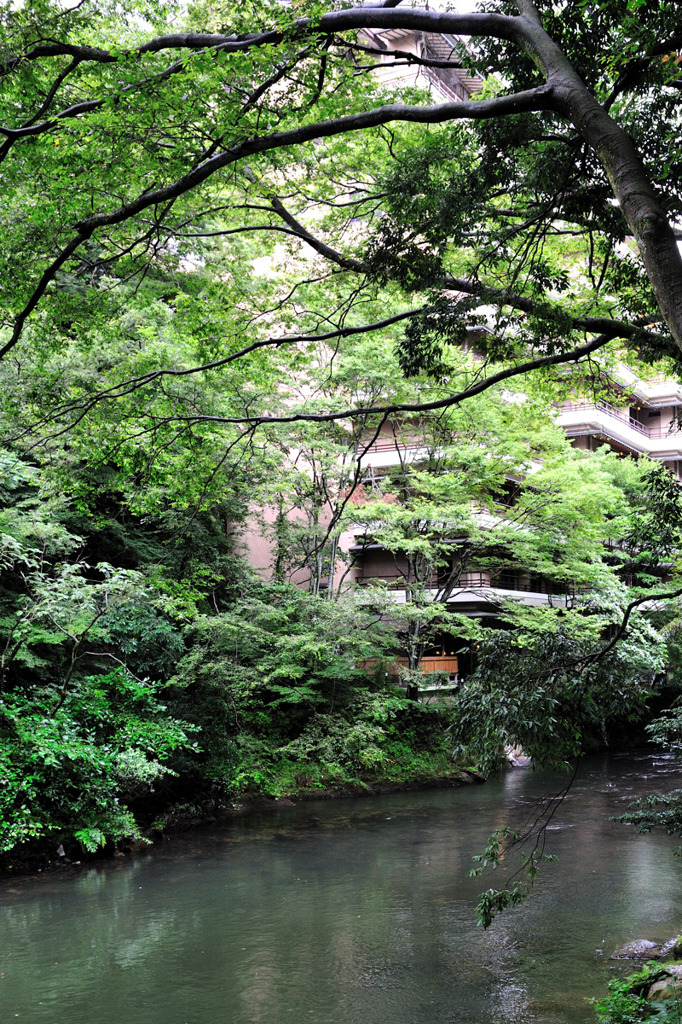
[183, 817]
[44, 857]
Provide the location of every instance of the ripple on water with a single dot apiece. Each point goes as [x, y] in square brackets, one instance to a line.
[356, 912]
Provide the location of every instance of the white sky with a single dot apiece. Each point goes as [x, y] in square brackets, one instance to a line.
[458, 6]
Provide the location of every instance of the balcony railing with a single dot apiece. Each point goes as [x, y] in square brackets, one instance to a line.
[453, 88]
[623, 416]
[393, 445]
[507, 581]
[395, 581]
[477, 580]
[429, 663]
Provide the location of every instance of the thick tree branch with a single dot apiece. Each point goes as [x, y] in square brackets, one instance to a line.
[563, 92]
[405, 55]
[494, 25]
[38, 292]
[497, 296]
[346, 262]
[534, 99]
[572, 355]
[641, 207]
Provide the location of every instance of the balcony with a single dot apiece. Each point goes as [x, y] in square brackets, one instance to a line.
[391, 452]
[522, 584]
[502, 581]
[482, 588]
[624, 416]
[617, 425]
[434, 663]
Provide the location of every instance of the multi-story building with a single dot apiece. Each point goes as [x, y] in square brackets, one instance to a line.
[461, 585]
[643, 418]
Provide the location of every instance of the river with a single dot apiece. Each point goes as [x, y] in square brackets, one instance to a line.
[349, 912]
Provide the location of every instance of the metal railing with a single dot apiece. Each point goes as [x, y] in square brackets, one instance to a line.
[453, 88]
[393, 445]
[508, 581]
[477, 580]
[623, 416]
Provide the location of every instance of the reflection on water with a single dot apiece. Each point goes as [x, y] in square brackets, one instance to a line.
[349, 912]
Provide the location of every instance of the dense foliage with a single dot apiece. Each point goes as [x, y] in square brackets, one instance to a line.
[124, 689]
[178, 676]
[224, 277]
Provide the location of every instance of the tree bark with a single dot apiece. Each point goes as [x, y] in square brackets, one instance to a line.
[640, 205]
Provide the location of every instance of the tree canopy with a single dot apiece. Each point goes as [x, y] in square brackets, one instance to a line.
[151, 136]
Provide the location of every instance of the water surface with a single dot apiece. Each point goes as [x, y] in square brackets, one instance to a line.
[349, 912]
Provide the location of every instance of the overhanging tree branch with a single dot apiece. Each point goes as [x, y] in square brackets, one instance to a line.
[622, 629]
[127, 387]
[534, 99]
[572, 355]
[562, 92]
[494, 25]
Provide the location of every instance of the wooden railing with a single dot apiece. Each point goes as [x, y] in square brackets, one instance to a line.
[435, 663]
[440, 663]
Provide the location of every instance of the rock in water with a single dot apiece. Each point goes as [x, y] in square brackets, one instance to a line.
[638, 949]
[672, 948]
